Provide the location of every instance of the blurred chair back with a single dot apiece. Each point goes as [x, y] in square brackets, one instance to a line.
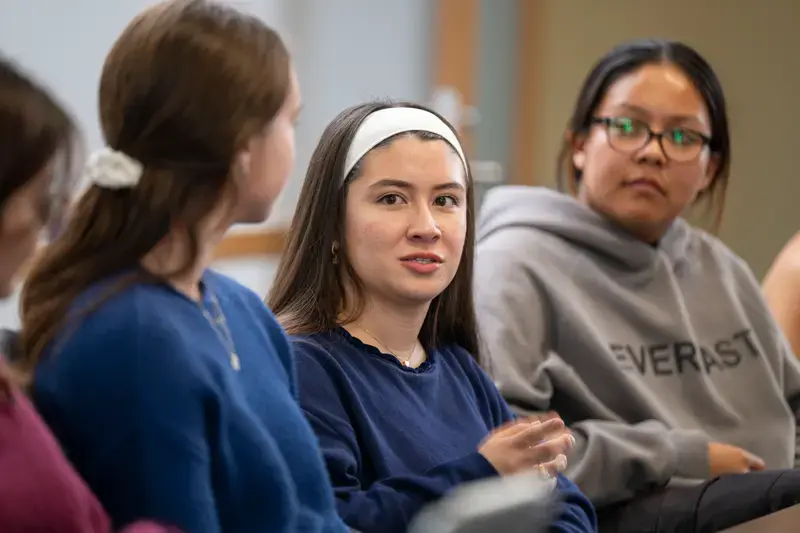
[510, 504]
[9, 344]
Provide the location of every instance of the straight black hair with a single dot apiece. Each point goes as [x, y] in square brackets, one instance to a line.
[627, 58]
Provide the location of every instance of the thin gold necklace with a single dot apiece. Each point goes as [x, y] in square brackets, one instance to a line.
[404, 362]
[216, 318]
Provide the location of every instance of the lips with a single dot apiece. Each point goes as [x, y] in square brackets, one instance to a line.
[424, 258]
[422, 263]
[646, 183]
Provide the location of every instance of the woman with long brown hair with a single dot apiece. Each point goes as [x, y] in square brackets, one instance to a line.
[375, 287]
[171, 387]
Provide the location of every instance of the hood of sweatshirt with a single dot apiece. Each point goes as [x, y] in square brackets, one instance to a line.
[563, 216]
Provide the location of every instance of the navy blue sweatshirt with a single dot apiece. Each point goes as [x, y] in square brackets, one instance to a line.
[395, 439]
[148, 407]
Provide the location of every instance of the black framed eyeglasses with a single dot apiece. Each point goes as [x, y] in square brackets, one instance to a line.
[629, 135]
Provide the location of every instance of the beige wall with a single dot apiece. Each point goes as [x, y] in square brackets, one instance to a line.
[755, 49]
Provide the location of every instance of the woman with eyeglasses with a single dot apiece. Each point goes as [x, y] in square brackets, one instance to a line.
[649, 337]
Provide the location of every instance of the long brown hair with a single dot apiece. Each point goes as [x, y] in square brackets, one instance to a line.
[184, 88]
[308, 293]
[35, 131]
[623, 60]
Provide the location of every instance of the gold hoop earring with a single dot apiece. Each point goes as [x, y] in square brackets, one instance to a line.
[335, 252]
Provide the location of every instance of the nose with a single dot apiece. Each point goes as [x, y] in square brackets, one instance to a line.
[423, 226]
[652, 153]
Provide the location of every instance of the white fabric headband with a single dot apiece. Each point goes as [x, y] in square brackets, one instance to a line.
[386, 123]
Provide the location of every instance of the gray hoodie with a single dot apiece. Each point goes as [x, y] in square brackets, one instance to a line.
[648, 352]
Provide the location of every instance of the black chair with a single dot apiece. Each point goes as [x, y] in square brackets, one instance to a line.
[9, 345]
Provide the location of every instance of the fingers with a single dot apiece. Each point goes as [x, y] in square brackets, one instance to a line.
[538, 432]
[550, 451]
[550, 415]
[509, 429]
[512, 428]
[754, 462]
[520, 425]
[554, 467]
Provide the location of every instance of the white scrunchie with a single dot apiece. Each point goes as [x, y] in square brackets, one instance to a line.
[111, 169]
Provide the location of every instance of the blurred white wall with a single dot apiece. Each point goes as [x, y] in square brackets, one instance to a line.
[345, 51]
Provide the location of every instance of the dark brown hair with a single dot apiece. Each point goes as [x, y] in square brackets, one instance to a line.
[35, 131]
[183, 90]
[627, 58]
[308, 294]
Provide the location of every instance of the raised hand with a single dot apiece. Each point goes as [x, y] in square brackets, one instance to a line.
[526, 444]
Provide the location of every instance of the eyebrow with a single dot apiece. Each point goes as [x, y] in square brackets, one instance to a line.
[642, 111]
[402, 184]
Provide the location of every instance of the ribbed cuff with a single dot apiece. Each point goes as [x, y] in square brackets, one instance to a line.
[691, 448]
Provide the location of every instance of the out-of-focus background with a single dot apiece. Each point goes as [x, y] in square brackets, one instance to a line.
[506, 71]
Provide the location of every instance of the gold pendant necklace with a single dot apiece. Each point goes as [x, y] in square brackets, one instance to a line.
[405, 362]
[220, 325]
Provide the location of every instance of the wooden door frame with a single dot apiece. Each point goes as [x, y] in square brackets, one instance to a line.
[457, 64]
[456, 55]
[238, 245]
[527, 90]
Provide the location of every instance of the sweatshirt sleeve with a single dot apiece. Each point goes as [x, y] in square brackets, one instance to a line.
[612, 460]
[385, 506]
[790, 378]
[789, 375]
[775, 338]
[791, 387]
[576, 514]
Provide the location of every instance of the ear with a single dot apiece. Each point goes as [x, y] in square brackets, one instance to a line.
[241, 166]
[711, 171]
[578, 141]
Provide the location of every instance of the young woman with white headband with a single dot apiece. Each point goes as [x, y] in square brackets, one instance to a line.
[171, 387]
[375, 286]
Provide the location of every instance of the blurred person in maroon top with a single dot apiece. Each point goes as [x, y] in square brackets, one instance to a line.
[39, 490]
